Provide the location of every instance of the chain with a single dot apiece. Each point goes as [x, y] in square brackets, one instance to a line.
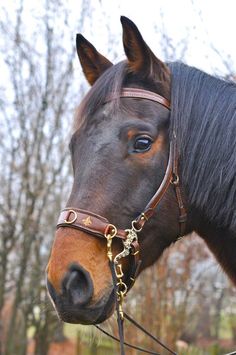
[121, 287]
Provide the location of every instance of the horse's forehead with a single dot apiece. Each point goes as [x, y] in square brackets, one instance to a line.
[97, 129]
[82, 122]
[113, 114]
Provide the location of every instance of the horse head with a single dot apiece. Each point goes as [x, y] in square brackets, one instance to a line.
[119, 150]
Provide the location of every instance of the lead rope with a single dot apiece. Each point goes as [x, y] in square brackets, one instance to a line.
[120, 290]
[120, 318]
[120, 321]
[127, 344]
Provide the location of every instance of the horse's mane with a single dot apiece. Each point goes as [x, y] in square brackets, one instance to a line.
[203, 116]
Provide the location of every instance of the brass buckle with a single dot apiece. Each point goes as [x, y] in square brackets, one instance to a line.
[175, 179]
[67, 221]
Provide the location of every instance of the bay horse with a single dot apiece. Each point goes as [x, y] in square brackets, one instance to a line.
[121, 155]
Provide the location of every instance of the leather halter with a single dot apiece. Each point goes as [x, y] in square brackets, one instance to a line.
[142, 94]
[99, 226]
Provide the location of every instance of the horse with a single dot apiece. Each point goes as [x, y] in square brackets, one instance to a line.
[153, 152]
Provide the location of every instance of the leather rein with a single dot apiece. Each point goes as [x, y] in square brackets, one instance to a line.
[100, 227]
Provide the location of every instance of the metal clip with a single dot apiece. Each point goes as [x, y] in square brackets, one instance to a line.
[127, 243]
[109, 236]
[121, 293]
[121, 313]
[119, 272]
[109, 249]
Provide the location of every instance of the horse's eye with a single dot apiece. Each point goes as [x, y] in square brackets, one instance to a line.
[142, 144]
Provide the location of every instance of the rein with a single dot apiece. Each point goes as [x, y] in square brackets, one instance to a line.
[100, 227]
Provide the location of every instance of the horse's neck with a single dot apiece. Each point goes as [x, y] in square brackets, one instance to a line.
[222, 243]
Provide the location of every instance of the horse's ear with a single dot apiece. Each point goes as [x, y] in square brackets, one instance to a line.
[140, 57]
[92, 62]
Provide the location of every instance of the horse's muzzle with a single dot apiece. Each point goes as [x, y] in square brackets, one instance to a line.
[74, 304]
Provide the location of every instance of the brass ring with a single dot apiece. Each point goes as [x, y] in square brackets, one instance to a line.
[111, 231]
[175, 180]
[134, 228]
[73, 220]
[122, 288]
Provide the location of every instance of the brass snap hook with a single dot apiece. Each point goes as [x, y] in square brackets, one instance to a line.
[109, 234]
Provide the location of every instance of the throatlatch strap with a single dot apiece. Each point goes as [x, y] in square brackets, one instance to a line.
[119, 320]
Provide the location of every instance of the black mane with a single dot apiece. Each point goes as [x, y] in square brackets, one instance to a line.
[203, 116]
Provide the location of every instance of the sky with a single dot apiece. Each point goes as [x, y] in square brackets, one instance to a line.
[204, 24]
[207, 27]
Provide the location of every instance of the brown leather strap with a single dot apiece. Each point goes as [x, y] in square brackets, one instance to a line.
[176, 183]
[99, 226]
[150, 208]
[145, 94]
[145, 331]
[182, 210]
[86, 221]
[125, 342]
[171, 177]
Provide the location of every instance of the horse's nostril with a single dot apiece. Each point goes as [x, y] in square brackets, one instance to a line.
[77, 285]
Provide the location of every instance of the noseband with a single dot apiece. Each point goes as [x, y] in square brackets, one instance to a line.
[99, 226]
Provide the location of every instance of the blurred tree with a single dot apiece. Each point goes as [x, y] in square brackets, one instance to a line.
[35, 107]
[178, 297]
